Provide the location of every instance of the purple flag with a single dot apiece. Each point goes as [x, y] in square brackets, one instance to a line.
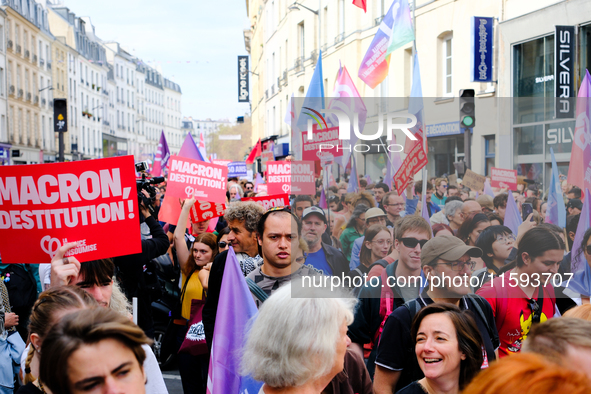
[368, 179]
[353, 186]
[162, 156]
[190, 150]
[487, 189]
[425, 213]
[556, 211]
[235, 309]
[512, 215]
[258, 181]
[322, 203]
[581, 280]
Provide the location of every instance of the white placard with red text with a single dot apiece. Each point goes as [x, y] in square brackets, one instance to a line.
[92, 202]
[193, 178]
[290, 177]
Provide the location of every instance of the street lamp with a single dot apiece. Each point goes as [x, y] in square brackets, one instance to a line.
[296, 7]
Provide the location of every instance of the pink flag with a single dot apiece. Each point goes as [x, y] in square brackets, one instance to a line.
[579, 172]
[346, 98]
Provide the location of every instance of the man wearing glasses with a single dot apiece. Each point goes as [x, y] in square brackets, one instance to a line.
[443, 256]
[396, 208]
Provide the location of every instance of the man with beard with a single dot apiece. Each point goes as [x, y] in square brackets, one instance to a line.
[441, 257]
[321, 256]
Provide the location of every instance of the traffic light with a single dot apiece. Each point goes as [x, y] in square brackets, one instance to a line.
[467, 110]
[60, 115]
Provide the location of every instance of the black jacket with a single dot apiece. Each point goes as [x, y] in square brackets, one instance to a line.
[214, 285]
[336, 259]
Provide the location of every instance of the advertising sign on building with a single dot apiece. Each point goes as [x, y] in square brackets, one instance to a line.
[564, 71]
[443, 129]
[481, 57]
[243, 91]
[48, 205]
[503, 178]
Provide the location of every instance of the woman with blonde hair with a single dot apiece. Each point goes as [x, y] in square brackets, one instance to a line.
[195, 264]
[49, 308]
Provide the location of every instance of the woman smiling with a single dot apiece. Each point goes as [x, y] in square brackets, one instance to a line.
[448, 346]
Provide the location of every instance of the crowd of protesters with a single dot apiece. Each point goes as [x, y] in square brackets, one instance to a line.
[426, 302]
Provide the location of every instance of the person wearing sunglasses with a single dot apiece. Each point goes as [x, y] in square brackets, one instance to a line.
[440, 195]
[522, 297]
[222, 239]
[394, 272]
[445, 256]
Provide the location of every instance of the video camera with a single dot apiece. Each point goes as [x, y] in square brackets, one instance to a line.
[147, 185]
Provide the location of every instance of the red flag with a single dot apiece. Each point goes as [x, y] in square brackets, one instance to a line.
[361, 4]
[256, 151]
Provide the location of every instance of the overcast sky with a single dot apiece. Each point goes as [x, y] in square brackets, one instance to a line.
[208, 34]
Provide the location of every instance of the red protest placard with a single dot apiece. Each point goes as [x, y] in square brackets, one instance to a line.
[193, 178]
[221, 162]
[323, 141]
[44, 206]
[291, 177]
[504, 179]
[204, 210]
[415, 160]
[280, 200]
[262, 188]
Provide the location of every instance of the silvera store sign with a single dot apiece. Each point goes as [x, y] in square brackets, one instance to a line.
[564, 73]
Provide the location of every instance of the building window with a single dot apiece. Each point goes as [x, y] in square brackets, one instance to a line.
[489, 154]
[447, 67]
[301, 41]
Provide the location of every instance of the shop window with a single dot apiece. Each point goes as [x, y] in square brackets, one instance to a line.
[489, 153]
[529, 140]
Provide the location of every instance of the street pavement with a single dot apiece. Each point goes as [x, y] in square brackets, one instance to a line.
[172, 379]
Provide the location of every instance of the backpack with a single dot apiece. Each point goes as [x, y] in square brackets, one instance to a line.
[386, 307]
[21, 286]
[414, 306]
[256, 290]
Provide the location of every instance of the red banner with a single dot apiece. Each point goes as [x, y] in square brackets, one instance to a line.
[504, 179]
[324, 141]
[291, 177]
[415, 160]
[280, 200]
[204, 210]
[193, 178]
[44, 206]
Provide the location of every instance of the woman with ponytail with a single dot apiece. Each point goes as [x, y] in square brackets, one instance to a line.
[49, 308]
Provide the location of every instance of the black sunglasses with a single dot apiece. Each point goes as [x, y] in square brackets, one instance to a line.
[413, 242]
[223, 244]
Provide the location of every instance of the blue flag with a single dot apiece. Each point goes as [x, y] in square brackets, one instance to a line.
[581, 280]
[512, 215]
[353, 186]
[556, 211]
[314, 100]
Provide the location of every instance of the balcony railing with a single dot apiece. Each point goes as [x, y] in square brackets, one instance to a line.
[34, 58]
[27, 54]
[49, 65]
[41, 62]
[11, 90]
[339, 38]
[9, 44]
[299, 63]
[29, 96]
[43, 102]
[36, 100]
[18, 49]
[20, 93]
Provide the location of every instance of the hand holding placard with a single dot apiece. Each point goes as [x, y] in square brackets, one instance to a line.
[64, 269]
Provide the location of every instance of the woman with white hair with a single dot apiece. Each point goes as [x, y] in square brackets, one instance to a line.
[235, 191]
[453, 212]
[305, 351]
